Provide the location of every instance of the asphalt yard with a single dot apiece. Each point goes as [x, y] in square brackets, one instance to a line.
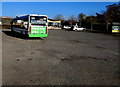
[64, 58]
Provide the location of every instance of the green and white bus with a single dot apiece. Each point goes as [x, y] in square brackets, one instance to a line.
[33, 25]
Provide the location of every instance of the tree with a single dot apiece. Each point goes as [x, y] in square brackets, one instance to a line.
[100, 18]
[59, 17]
[113, 13]
[81, 17]
[72, 20]
[91, 19]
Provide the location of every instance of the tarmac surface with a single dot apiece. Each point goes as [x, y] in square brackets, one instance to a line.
[64, 58]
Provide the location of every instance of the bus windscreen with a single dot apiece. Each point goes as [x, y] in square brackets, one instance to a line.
[38, 20]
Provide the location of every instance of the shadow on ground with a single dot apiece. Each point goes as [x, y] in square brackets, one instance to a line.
[17, 35]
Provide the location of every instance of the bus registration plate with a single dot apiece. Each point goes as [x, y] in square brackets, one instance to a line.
[34, 32]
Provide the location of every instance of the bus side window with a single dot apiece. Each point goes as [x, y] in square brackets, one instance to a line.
[25, 22]
[14, 23]
[19, 23]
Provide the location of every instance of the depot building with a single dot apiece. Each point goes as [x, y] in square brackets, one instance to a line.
[54, 24]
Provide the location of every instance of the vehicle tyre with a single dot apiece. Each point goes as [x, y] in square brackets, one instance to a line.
[75, 29]
[21, 32]
[44, 37]
[12, 30]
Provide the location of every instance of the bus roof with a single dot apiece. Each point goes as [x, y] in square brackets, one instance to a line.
[37, 15]
[23, 16]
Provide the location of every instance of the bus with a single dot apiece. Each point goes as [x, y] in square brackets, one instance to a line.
[33, 25]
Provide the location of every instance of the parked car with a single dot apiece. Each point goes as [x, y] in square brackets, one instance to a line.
[66, 27]
[75, 28]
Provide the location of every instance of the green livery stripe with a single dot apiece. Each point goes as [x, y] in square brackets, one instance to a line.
[38, 32]
[38, 35]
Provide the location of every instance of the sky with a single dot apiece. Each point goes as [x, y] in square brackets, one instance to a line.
[60, 0]
[51, 9]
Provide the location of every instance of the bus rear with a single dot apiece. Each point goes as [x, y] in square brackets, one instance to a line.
[38, 26]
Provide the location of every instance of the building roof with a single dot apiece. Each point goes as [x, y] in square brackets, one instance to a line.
[5, 17]
[52, 19]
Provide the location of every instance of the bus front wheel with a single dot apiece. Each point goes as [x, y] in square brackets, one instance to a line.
[12, 30]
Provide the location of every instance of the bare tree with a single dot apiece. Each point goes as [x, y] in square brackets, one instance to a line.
[72, 19]
[59, 17]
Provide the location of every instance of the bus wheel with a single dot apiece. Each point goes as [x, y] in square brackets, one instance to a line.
[75, 29]
[12, 31]
[21, 32]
